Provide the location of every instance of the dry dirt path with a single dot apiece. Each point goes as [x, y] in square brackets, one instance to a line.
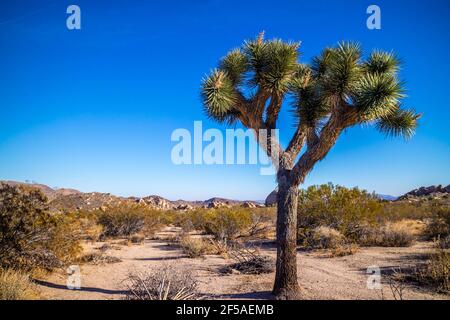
[320, 277]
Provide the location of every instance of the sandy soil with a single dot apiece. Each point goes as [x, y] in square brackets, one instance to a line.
[320, 276]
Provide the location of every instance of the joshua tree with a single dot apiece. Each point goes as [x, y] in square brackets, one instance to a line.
[337, 90]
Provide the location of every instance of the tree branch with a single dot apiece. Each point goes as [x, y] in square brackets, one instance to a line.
[258, 104]
[273, 111]
[319, 146]
[295, 146]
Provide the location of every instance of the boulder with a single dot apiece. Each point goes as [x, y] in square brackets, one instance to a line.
[184, 207]
[157, 202]
[216, 205]
[248, 205]
[271, 199]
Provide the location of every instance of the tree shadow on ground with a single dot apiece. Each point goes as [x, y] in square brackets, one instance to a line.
[83, 289]
[160, 258]
[167, 247]
[255, 295]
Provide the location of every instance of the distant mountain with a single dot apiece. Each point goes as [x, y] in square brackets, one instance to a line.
[71, 200]
[387, 197]
[50, 193]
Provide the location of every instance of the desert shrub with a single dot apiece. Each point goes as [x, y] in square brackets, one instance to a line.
[438, 225]
[325, 238]
[400, 210]
[64, 241]
[358, 214]
[188, 220]
[415, 227]
[228, 223]
[137, 238]
[343, 250]
[263, 221]
[16, 285]
[435, 273]
[443, 243]
[89, 226]
[198, 247]
[165, 283]
[30, 236]
[438, 270]
[126, 220]
[98, 258]
[194, 247]
[220, 248]
[337, 207]
[383, 236]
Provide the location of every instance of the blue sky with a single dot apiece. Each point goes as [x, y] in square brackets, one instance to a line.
[94, 109]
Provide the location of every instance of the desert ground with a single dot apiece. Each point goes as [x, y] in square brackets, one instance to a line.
[320, 276]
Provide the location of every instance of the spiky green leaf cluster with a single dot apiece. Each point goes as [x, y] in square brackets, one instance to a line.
[376, 95]
[343, 69]
[380, 62]
[272, 64]
[235, 64]
[399, 123]
[308, 106]
[338, 78]
[218, 95]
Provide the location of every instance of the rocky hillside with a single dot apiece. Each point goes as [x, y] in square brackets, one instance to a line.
[432, 192]
[71, 200]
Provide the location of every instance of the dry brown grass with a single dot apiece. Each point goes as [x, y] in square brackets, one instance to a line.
[415, 227]
[137, 238]
[16, 285]
[344, 250]
[385, 236]
[436, 272]
[98, 258]
[193, 247]
[91, 230]
[197, 247]
[325, 238]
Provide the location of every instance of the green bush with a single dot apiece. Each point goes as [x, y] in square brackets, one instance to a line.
[126, 220]
[227, 223]
[336, 207]
[30, 236]
[360, 217]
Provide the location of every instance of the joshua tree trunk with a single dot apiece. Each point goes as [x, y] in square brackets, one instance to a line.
[286, 284]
